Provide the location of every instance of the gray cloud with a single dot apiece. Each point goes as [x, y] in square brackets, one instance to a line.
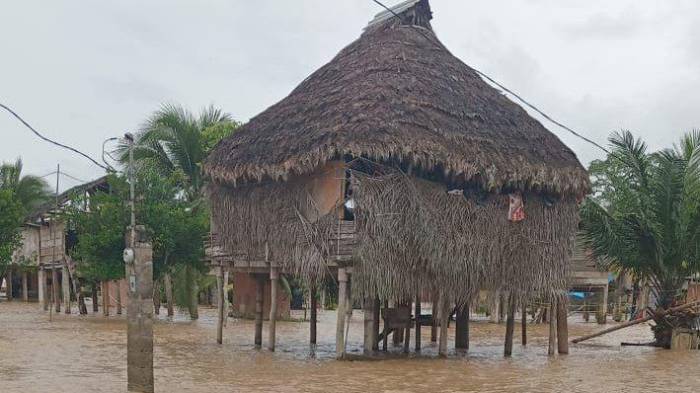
[82, 72]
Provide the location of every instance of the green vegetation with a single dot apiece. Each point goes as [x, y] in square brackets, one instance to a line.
[644, 216]
[10, 220]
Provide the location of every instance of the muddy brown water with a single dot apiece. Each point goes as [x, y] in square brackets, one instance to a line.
[88, 354]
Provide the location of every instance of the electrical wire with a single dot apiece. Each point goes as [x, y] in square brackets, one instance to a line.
[511, 92]
[13, 113]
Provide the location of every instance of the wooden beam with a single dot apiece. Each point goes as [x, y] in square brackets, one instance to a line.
[259, 297]
[510, 328]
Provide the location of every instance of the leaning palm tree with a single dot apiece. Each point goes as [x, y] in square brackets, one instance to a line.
[644, 216]
[30, 191]
[175, 142]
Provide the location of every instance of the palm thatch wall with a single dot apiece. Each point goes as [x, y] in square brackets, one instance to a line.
[398, 99]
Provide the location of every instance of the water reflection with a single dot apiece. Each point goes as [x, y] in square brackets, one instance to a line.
[87, 354]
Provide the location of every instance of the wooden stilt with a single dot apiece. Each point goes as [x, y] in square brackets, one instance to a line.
[65, 286]
[25, 287]
[603, 308]
[523, 324]
[552, 328]
[376, 311]
[8, 284]
[562, 327]
[462, 328]
[417, 313]
[105, 298]
[95, 301]
[436, 319]
[314, 315]
[56, 290]
[118, 295]
[259, 294]
[220, 305]
[340, 321]
[272, 329]
[226, 302]
[369, 339]
[444, 320]
[385, 331]
[510, 328]
[168, 281]
[41, 287]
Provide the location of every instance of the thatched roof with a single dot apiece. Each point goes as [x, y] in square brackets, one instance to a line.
[397, 95]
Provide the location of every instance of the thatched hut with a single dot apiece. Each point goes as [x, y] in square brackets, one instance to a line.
[447, 185]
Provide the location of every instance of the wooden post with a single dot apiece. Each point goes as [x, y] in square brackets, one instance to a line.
[462, 328]
[220, 298]
[313, 318]
[417, 312]
[25, 287]
[194, 296]
[552, 315]
[369, 339]
[65, 285]
[562, 327]
[259, 297]
[385, 330]
[436, 319]
[169, 293]
[105, 298]
[340, 321]
[156, 297]
[226, 303]
[41, 287]
[495, 310]
[118, 292]
[602, 317]
[8, 283]
[272, 331]
[510, 328]
[376, 311]
[523, 324]
[444, 320]
[94, 297]
[55, 289]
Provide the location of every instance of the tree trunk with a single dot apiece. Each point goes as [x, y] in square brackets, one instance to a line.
[523, 324]
[552, 328]
[118, 291]
[510, 328]
[194, 296]
[462, 328]
[314, 314]
[156, 297]
[169, 294]
[105, 298]
[562, 327]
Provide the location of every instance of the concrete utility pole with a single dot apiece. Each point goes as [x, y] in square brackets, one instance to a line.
[138, 258]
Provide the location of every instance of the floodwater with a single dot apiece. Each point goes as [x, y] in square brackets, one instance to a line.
[88, 354]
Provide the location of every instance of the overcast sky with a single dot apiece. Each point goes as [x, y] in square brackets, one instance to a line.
[83, 71]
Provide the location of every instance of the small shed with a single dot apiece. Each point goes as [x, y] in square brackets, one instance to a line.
[398, 168]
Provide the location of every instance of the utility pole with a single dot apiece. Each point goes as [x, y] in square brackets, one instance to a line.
[54, 275]
[138, 259]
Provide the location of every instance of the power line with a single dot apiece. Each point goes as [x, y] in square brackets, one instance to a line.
[13, 113]
[511, 92]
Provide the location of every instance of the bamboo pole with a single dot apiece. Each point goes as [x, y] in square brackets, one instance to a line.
[635, 322]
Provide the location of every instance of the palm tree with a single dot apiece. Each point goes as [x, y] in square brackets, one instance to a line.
[174, 142]
[30, 191]
[644, 216]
